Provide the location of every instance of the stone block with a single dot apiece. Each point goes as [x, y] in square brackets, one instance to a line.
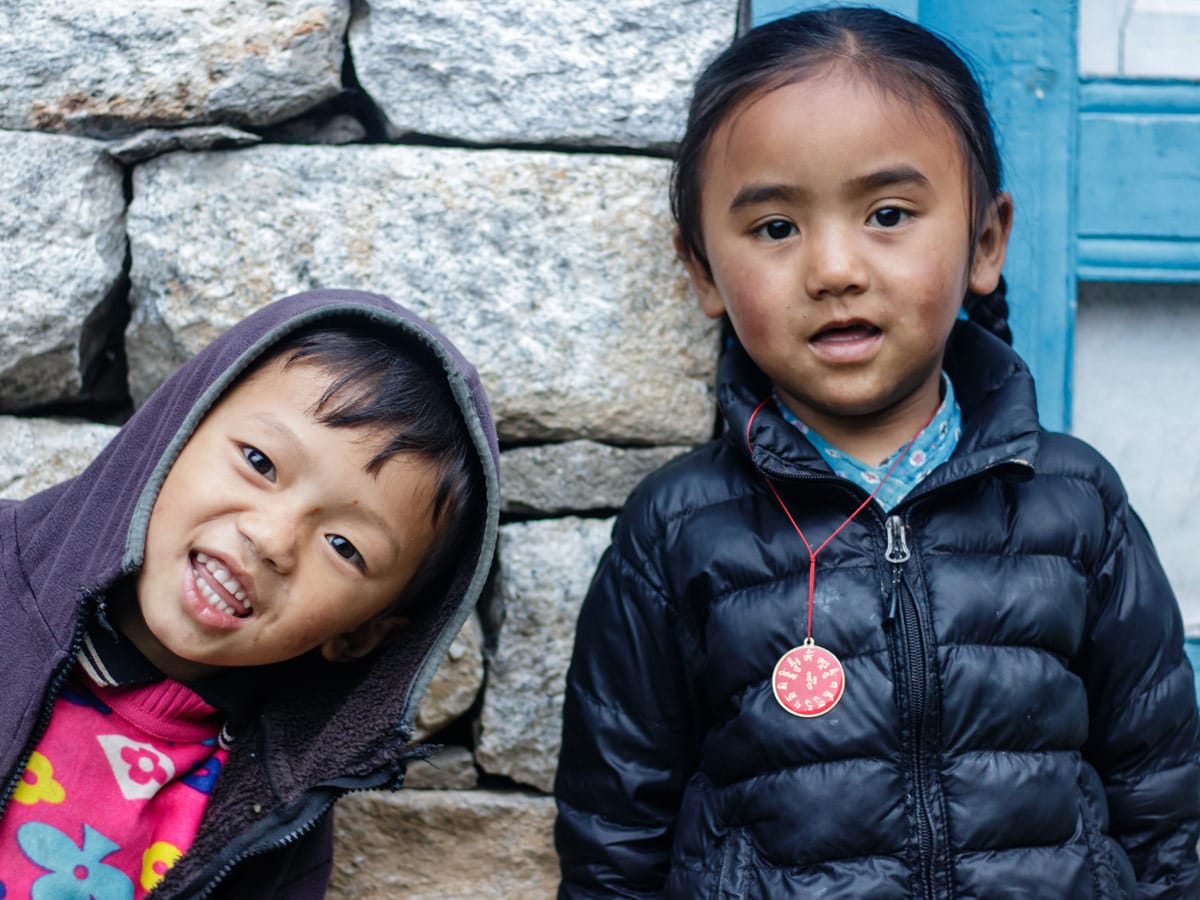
[553, 272]
[545, 568]
[107, 68]
[601, 73]
[444, 845]
[576, 476]
[38, 453]
[63, 254]
[455, 684]
[449, 769]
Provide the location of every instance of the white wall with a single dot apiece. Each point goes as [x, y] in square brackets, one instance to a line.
[1139, 38]
[1137, 399]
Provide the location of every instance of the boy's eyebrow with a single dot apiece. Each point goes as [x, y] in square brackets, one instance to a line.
[753, 194]
[277, 427]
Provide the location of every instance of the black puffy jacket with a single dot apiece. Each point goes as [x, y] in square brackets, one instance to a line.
[1018, 720]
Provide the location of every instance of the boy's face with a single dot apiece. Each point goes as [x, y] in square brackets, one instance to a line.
[270, 538]
[836, 222]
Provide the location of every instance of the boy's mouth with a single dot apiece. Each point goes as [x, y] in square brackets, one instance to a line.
[220, 589]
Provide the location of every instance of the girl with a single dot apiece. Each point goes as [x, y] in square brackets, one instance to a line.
[885, 637]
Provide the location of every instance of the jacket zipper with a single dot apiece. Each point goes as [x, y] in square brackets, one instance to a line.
[336, 792]
[231, 864]
[903, 607]
[57, 681]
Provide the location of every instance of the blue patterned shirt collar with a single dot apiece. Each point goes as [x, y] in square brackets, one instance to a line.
[933, 446]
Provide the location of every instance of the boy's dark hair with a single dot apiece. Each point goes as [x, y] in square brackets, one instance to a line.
[397, 386]
[892, 53]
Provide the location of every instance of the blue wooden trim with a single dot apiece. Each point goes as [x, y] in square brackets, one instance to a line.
[1138, 146]
[1134, 259]
[1145, 96]
[764, 11]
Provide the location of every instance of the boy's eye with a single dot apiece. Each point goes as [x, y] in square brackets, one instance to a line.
[259, 462]
[888, 216]
[776, 230]
[345, 549]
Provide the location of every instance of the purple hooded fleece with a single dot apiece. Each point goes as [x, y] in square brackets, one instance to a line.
[324, 730]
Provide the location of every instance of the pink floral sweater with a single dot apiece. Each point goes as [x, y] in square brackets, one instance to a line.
[114, 793]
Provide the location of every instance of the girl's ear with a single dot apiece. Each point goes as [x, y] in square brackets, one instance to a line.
[991, 245]
[362, 640]
[701, 278]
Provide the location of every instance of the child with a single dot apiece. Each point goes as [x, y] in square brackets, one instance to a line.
[226, 622]
[973, 684]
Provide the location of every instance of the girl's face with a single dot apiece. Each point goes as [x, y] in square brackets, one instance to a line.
[836, 222]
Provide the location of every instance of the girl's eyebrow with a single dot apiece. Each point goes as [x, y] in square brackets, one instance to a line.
[753, 194]
[887, 178]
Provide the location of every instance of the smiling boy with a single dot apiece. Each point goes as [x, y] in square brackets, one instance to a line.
[277, 549]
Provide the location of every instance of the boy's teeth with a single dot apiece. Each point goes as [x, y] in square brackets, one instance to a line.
[226, 580]
[221, 574]
[213, 600]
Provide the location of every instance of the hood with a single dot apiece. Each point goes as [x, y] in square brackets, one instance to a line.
[77, 539]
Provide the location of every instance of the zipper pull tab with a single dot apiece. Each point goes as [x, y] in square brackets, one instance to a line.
[897, 541]
[897, 554]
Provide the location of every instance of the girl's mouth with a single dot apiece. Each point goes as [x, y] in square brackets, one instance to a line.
[220, 589]
[846, 342]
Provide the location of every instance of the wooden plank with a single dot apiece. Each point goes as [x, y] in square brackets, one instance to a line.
[1139, 181]
[1162, 259]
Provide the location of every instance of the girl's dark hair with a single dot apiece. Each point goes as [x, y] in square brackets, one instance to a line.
[894, 54]
[398, 388]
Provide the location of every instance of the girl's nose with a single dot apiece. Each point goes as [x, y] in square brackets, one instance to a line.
[834, 265]
[273, 536]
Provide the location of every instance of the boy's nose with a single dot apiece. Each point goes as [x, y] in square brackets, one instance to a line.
[272, 536]
[834, 265]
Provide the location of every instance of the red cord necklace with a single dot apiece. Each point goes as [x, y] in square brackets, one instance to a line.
[808, 680]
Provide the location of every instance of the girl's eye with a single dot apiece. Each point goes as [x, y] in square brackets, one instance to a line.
[259, 462]
[889, 216]
[345, 549]
[776, 230]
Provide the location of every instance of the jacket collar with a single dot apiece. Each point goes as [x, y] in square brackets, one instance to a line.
[994, 388]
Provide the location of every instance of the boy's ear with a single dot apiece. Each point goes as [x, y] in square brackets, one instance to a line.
[701, 278]
[991, 245]
[362, 640]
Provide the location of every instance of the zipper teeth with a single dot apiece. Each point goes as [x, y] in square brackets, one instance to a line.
[916, 653]
[289, 838]
[917, 671]
[56, 685]
[232, 864]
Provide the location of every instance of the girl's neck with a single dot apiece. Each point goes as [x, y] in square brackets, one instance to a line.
[873, 437]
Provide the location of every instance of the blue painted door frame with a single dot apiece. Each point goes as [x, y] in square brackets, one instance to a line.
[1104, 172]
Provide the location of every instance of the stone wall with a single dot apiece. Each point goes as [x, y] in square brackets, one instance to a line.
[498, 167]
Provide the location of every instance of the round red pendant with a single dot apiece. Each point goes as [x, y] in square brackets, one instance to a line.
[808, 680]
